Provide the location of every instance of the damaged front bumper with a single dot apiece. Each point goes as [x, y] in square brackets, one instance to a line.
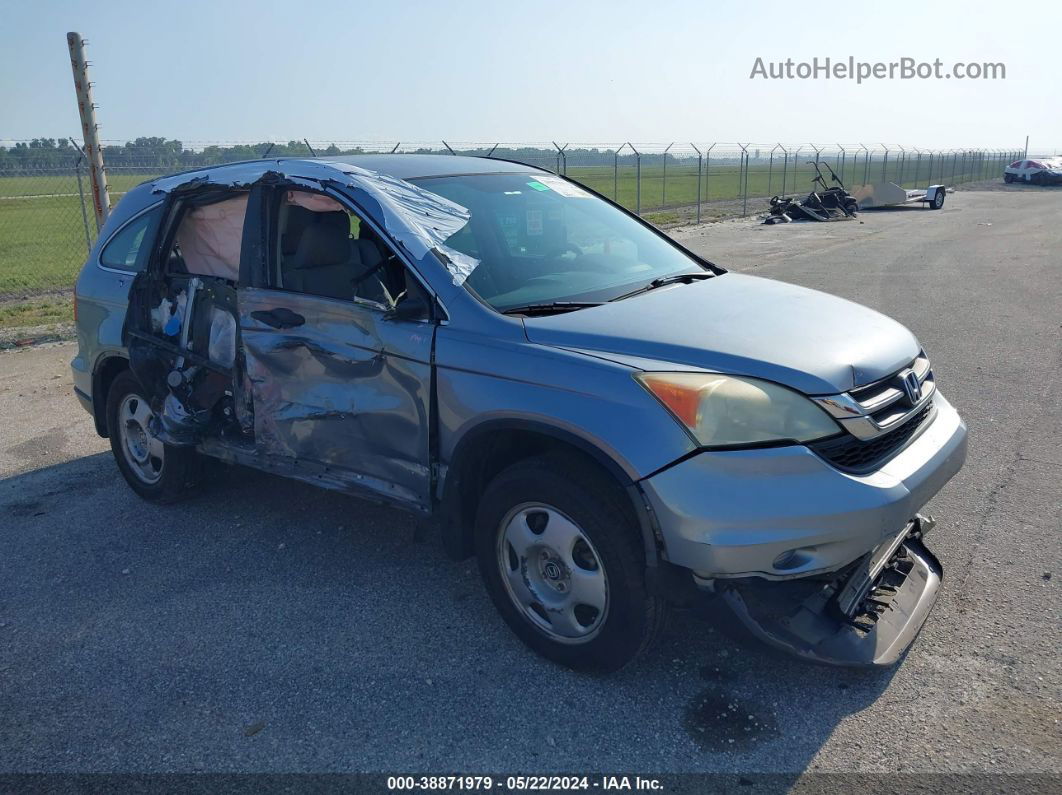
[785, 513]
[867, 616]
[821, 563]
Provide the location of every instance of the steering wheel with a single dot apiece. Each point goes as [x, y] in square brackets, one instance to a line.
[559, 251]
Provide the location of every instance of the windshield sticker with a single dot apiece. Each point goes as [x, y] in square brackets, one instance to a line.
[534, 185]
[564, 188]
[534, 222]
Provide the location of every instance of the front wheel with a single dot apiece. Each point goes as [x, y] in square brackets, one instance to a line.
[1008, 178]
[562, 559]
[156, 471]
[938, 200]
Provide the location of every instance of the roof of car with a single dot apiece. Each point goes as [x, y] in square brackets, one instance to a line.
[404, 166]
[412, 166]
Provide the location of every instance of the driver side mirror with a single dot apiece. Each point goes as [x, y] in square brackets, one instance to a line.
[412, 306]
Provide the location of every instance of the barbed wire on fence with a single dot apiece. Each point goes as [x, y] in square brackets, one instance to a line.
[47, 224]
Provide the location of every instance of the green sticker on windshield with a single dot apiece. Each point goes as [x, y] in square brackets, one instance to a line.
[536, 186]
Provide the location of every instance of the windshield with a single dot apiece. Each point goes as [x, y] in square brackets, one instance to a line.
[538, 239]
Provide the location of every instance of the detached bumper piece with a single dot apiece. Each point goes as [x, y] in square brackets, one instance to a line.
[868, 616]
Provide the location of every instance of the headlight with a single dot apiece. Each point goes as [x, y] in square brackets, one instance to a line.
[722, 410]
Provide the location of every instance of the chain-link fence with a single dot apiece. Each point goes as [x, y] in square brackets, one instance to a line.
[47, 223]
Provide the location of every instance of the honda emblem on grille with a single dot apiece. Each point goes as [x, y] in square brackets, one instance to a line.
[912, 387]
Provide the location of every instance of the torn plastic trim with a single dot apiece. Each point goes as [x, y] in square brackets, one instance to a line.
[869, 617]
[415, 218]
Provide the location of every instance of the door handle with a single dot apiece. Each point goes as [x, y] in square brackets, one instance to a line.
[281, 317]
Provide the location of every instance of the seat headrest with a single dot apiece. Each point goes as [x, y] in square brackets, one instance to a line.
[298, 218]
[368, 253]
[326, 242]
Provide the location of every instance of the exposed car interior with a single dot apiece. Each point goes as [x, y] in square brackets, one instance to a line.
[325, 250]
[184, 323]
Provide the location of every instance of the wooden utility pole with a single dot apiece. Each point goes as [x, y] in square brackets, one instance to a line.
[101, 200]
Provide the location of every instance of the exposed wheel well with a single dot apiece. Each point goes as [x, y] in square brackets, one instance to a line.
[482, 457]
[106, 372]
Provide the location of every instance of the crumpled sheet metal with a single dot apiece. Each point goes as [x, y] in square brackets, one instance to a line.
[421, 221]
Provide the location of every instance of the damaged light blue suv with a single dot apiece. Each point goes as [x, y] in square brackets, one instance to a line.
[610, 423]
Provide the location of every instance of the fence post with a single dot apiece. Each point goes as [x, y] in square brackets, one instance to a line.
[796, 164]
[743, 179]
[844, 156]
[81, 201]
[101, 200]
[884, 163]
[562, 159]
[770, 169]
[637, 179]
[699, 159]
[785, 167]
[707, 166]
[663, 193]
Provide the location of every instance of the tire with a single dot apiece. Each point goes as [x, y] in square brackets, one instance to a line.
[938, 200]
[549, 530]
[1008, 178]
[156, 471]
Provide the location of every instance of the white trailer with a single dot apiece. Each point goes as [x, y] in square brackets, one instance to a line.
[889, 194]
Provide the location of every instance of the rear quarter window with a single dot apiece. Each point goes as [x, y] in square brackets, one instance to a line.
[127, 249]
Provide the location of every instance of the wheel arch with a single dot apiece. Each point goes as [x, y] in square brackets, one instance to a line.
[106, 370]
[494, 445]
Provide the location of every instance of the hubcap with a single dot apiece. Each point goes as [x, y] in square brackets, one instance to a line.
[552, 573]
[141, 450]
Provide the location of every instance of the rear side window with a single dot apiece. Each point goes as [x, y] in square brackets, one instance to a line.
[128, 249]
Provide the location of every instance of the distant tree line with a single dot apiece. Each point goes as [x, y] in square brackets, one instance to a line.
[163, 154]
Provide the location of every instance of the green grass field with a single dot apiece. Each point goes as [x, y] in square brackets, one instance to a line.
[42, 230]
[43, 240]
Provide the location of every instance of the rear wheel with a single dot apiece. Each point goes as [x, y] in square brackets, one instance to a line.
[563, 562]
[156, 471]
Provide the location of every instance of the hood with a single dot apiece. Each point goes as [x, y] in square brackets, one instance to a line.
[815, 343]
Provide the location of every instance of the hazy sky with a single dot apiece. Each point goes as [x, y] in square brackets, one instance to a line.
[530, 72]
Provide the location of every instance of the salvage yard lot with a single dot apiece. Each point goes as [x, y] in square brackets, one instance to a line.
[269, 626]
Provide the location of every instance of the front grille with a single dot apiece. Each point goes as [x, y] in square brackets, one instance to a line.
[854, 455]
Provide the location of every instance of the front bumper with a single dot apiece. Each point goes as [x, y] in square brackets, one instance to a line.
[867, 617]
[783, 512]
